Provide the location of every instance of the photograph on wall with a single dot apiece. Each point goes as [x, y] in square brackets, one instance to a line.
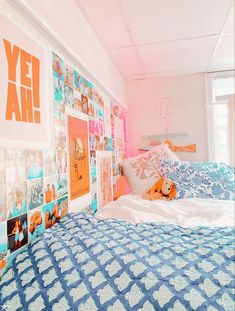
[24, 109]
[2, 166]
[108, 143]
[50, 214]
[35, 223]
[100, 108]
[96, 127]
[59, 110]
[15, 166]
[49, 163]
[93, 165]
[99, 142]
[104, 177]
[68, 96]
[34, 164]
[92, 141]
[77, 103]
[117, 111]
[3, 210]
[58, 87]
[84, 101]
[95, 95]
[79, 166]
[63, 206]
[17, 232]
[34, 193]
[85, 86]
[60, 138]
[76, 77]
[61, 160]
[16, 199]
[58, 67]
[89, 89]
[68, 76]
[50, 188]
[91, 107]
[62, 185]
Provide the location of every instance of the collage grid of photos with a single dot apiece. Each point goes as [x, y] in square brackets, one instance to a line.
[107, 120]
[31, 192]
[34, 184]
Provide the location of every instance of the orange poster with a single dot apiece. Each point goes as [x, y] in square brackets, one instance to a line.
[24, 108]
[78, 157]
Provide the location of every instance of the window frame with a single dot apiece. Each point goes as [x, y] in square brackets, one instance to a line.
[209, 105]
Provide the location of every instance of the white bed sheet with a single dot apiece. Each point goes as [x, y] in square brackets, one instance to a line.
[185, 213]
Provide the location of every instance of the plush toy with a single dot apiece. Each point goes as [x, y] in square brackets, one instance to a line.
[163, 189]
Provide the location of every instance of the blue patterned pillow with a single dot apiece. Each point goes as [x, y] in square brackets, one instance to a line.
[201, 179]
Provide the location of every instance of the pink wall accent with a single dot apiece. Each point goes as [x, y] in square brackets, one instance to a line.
[184, 111]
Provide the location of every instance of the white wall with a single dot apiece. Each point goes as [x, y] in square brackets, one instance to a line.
[65, 20]
[187, 94]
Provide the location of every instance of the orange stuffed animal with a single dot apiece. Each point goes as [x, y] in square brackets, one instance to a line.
[163, 189]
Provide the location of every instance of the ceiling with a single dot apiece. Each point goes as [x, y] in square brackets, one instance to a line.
[148, 38]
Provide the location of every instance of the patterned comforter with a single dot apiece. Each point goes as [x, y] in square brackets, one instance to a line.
[83, 263]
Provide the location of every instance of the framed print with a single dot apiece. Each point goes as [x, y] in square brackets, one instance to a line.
[104, 177]
[78, 159]
[24, 109]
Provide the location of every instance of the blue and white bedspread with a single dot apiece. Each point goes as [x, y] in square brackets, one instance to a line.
[83, 263]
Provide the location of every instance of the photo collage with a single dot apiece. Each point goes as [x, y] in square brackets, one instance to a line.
[107, 120]
[34, 183]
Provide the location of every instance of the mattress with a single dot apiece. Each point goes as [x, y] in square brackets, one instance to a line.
[84, 263]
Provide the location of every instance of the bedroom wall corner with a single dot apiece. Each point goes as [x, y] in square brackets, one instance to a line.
[185, 114]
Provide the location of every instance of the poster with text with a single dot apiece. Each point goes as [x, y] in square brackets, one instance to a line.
[24, 112]
[79, 168]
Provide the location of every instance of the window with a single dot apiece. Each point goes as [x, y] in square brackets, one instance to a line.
[220, 113]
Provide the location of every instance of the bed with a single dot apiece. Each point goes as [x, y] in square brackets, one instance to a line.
[141, 261]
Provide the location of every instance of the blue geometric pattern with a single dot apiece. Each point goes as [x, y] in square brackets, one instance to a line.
[206, 180]
[83, 263]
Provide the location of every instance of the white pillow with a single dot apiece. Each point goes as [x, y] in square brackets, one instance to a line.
[143, 170]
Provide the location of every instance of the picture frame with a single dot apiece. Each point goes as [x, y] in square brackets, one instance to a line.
[24, 109]
[78, 160]
[104, 177]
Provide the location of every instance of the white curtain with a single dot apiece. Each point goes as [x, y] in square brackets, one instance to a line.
[231, 129]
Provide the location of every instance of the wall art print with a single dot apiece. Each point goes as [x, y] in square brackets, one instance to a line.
[104, 180]
[24, 112]
[79, 165]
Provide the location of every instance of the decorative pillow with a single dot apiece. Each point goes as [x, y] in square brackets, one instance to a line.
[121, 188]
[143, 170]
[201, 179]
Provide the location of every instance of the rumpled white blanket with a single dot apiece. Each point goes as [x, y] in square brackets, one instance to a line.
[185, 213]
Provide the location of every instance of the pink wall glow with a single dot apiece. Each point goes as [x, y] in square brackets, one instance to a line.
[169, 104]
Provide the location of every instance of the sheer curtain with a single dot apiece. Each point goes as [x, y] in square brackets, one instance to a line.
[231, 129]
[220, 116]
